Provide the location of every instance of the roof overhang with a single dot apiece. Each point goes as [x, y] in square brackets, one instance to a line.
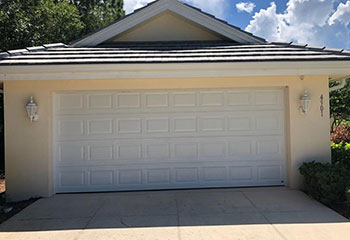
[205, 20]
[174, 70]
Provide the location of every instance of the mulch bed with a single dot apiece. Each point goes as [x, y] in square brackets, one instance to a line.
[2, 183]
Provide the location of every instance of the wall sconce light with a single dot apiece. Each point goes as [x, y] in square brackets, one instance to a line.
[32, 108]
[305, 101]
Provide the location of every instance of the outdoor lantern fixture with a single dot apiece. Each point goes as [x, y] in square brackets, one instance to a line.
[32, 108]
[305, 101]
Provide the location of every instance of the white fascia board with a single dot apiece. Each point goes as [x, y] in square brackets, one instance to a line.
[171, 70]
[178, 8]
[121, 26]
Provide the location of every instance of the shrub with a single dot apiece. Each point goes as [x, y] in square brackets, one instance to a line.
[341, 133]
[341, 154]
[326, 182]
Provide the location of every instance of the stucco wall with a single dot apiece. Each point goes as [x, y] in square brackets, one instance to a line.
[29, 157]
[167, 27]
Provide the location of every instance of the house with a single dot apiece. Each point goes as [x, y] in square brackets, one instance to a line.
[168, 97]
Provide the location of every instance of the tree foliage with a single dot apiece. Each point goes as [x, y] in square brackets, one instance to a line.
[98, 13]
[36, 22]
[340, 103]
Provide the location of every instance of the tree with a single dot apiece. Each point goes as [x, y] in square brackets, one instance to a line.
[36, 22]
[340, 104]
[98, 13]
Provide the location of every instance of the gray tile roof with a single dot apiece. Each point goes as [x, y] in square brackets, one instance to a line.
[171, 52]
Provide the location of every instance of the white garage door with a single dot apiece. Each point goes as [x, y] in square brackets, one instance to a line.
[134, 140]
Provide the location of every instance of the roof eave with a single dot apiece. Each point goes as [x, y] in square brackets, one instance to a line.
[175, 70]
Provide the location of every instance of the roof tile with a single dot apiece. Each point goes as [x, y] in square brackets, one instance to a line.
[170, 52]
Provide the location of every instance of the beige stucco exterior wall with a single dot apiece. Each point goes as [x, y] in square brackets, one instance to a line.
[29, 150]
[167, 27]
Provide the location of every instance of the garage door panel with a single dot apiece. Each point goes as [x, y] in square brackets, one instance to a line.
[241, 173]
[102, 126]
[101, 178]
[168, 176]
[159, 126]
[110, 140]
[245, 148]
[128, 125]
[269, 173]
[211, 99]
[128, 100]
[70, 153]
[184, 99]
[100, 101]
[187, 175]
[169, 101]
[100, 152]
[67, 102]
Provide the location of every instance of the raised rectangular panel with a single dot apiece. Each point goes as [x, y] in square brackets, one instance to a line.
[267, 97]
[239, 123]
[70, 127]
[101, 177]
[100, 101]
[269, 173]
[185, 99]
[157, 100]
[131, 125]
[160, 150]
[215, 149]
[129, 151]
[186, 150]
[185, 124]
[268, 147]
[151, 139]
[158, 176]
[100, 153]
[130, 176]
[240, 148]
[271, 122]
[157, 125]
[72, 153]
[214, 174]
[212, 99]
[100, 126]
[186, 175]
[238, 98]
[241, 173]
[70, 101]
[71, 179]
[128, 100]
[212, 124]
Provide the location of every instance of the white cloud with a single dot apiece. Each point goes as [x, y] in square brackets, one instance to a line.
[131, 5]
[307, 21]
[215, 7]
[245, 7]
[342, 14]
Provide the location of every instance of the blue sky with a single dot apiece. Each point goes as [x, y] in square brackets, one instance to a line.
[316, 22]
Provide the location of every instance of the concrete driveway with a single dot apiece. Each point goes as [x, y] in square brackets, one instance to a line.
[215, 214]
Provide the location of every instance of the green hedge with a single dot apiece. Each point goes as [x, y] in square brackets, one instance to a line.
[341, 154]
[328, 183]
